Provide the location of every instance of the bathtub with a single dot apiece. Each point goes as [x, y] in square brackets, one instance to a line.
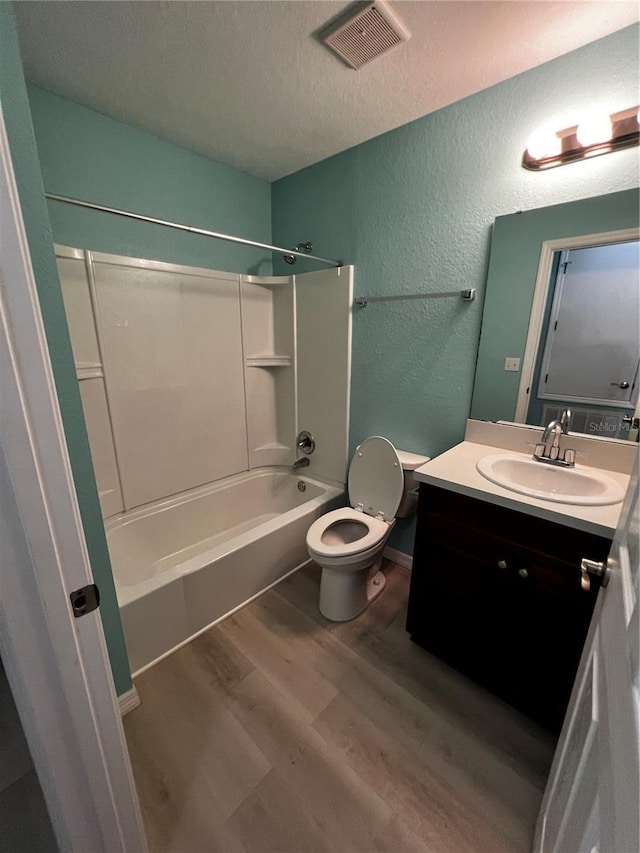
[182, 564]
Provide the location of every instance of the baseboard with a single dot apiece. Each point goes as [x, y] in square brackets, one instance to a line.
[128, 701]
[398, 557]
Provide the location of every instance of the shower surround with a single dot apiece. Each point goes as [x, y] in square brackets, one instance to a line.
[194, 385]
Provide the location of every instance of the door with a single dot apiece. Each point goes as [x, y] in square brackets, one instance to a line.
[56, 664]
[591, 353]
[592, 800]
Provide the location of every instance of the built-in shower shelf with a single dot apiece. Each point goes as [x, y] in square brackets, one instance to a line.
[269, 361]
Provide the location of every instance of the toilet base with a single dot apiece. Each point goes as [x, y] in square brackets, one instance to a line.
[375, 585]
[344, 595]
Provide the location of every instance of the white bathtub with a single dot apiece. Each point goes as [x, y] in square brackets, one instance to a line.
[184, 563]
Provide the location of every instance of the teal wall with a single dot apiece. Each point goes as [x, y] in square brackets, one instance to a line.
[86, 155]
[413, 210]
[515, 254]
[15, 108]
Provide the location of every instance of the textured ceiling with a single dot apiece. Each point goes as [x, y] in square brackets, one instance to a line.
[248, 84]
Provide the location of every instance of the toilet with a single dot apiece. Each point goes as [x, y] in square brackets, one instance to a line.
[348, 543]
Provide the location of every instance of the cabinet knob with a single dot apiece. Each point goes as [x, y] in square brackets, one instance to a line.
[502, 564]
[523, 573]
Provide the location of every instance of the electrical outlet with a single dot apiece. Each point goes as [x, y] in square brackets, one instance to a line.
[512, 364]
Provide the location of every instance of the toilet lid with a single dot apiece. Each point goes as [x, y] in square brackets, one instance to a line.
[376, 479]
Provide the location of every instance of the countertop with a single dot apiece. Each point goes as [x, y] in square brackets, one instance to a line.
[456, 471]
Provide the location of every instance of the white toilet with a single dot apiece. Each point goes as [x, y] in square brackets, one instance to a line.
[348, 543]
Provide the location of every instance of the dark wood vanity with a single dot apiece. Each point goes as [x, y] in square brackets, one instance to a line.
[496, 594]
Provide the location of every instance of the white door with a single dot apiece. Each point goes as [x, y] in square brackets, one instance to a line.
[56, 664]
[592, 800]
[591, 353]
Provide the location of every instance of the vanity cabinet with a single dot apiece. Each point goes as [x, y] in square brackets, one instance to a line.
[496, 594]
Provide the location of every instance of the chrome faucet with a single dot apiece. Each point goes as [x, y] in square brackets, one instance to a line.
[301, 463]
[548, 450]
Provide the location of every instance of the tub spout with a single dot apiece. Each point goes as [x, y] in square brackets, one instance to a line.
[300, 463]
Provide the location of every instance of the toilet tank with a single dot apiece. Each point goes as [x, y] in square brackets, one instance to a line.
[409, 462]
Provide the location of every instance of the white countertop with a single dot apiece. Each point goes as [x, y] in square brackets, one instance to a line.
[456, 471]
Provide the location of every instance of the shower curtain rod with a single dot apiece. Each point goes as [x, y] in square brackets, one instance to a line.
[201, 231]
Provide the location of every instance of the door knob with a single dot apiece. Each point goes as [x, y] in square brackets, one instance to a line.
[623, 385]
[591, 568]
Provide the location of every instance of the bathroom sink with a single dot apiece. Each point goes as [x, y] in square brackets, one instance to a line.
[577, 485]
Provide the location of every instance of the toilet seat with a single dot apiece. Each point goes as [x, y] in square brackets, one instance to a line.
[376, 478]
[376, 531]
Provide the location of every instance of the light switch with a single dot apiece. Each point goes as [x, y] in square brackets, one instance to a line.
[512, 364]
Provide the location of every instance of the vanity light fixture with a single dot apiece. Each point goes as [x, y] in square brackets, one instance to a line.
[597, 134]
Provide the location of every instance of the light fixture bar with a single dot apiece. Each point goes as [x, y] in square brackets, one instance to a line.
[625, 132]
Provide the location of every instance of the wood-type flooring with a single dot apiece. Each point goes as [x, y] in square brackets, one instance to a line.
[278, 731]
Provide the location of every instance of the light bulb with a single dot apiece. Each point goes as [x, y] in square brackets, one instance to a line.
[595, 128]
[544, 143]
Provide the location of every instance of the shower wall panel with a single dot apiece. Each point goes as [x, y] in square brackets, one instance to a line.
[270, 382]
[323, 321]
[103, 455]
[172, 346]
[78, 304]
[190, 375]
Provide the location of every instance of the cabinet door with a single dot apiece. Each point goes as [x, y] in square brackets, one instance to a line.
[546, 621]
[510, 616]
[460, 600]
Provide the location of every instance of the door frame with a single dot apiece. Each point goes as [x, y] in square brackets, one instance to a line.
[57, 665]
[545, 264]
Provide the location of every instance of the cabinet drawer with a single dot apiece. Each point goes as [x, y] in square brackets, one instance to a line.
[529, 559]
[563, 544]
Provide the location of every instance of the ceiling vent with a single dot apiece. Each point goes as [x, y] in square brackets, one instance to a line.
[365, 32]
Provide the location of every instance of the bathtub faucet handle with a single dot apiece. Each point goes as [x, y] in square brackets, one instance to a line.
[306, 443]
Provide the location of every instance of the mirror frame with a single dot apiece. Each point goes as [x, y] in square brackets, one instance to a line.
[513, 267]
[543, 282]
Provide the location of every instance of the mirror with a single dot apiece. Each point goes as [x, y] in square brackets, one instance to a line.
[529, 289]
